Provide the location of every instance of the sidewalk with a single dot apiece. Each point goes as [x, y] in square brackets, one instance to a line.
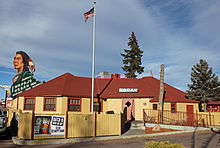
[133, 132]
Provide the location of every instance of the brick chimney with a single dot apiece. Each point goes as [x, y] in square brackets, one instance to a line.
[115, 75]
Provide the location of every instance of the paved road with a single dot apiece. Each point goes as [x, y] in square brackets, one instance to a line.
[203, 139]
[4, 142]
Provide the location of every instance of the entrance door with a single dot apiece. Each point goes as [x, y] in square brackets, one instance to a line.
[190, 115]
[130, 108]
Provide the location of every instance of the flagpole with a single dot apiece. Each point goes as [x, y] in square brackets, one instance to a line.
[93, 60]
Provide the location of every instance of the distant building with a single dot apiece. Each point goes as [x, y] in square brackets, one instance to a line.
[213, 106]
[104, 75]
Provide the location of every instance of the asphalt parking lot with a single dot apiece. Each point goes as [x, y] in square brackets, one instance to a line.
[200, 139]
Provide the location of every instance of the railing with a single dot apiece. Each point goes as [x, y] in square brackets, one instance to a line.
[178, 118]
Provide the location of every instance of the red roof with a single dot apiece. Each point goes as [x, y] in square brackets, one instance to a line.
[70, 85]
[143, 90]
[211, 102]
[148, 87]
[67, 85]
[172, 94]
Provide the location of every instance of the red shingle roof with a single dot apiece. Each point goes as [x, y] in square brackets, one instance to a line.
[112, 91]
[67, 85]
[172, 94]
[70, 85]
[211, 102]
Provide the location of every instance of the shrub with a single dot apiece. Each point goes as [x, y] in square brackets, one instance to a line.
[162, 144]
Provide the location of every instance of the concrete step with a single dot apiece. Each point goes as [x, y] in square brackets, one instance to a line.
[137, 124]
[133, 132]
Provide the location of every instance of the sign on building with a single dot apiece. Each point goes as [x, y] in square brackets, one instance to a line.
[26, 83]
[23, 80]
[128, 90]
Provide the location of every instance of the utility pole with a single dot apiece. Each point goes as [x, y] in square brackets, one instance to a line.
[161, 94]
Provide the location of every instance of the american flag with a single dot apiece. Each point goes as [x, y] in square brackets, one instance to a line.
[89, 14]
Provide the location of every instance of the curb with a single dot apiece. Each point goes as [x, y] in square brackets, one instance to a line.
[92, 139]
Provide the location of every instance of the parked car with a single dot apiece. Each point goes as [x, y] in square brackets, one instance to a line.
[3, 121]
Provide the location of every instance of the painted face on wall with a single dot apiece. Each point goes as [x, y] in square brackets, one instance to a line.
[18, 63]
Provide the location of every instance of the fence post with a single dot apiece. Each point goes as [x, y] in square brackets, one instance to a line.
[197, 120]
[210, 118]
[120, 123]
[207, 120]
[32, 128]
[66, 128]
[19, 124]
[95, 123]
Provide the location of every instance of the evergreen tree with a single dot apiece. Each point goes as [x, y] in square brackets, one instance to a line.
[132, 58]
[205, 84]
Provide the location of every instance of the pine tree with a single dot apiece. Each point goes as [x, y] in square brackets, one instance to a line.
[132, 58]
[205, 84]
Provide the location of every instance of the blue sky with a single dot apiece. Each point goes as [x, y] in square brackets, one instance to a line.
[176, 33]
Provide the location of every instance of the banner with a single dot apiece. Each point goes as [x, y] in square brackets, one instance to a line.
[49, 124]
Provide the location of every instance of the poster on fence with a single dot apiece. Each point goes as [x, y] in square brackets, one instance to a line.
[49, 124]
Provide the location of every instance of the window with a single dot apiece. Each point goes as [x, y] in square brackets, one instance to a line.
[49, 104]
[29, 103]
[74, 104]
[154, 106]
[173, 107]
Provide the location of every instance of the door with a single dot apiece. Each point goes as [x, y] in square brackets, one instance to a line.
[130, 108]
[190, 115]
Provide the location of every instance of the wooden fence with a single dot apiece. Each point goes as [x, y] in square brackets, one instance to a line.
[178, 118]
[76, 125]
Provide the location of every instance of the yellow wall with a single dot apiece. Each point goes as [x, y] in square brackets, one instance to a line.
[116, 106]
[216, 117]
[140, 104]
[113, 105]
[21, 103]
[167, 106]
[85, 105]
[39, 104]
[108, 105]
[181, 107]
[61, 105]
[14, 103]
